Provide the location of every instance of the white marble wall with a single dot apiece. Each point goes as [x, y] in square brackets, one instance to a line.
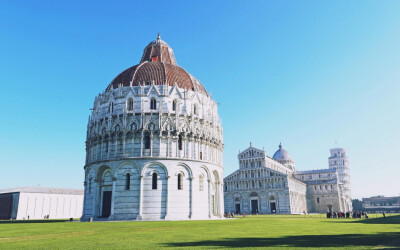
[57, 206]
[141, 202]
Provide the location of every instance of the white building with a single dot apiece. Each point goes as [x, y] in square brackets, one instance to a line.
[38, 202]
[272, 185]
[340, 162]
[154, 145]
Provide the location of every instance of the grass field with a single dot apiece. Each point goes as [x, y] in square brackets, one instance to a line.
[275, 231]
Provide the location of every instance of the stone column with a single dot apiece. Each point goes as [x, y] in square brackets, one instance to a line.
[209, 198]
[167, 217]
[116, 146]
[133, 144]
[140, 216]
[113, 197]
[168, 137]
[94, 145]
[191, 197]
[201, 150]
[159, 143]
[176, 138]
[184, 144]
[101, 148]
[108, 147]
[123, 144]
[141, 144]
[151, 144]
[96, 200]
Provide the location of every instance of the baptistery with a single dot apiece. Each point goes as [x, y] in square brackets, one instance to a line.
[154, 145]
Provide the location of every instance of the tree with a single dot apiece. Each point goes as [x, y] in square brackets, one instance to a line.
[357, 205]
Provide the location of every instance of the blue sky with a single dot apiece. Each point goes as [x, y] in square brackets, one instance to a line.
[310, 74]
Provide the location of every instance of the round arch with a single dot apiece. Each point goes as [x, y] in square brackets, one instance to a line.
[102, 170]
[148, 164]
[132, 164]
[207, 172]
[188, 169]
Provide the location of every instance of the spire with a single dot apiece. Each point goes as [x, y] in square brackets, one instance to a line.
[251, 144]
[159, 36]
[280, 145]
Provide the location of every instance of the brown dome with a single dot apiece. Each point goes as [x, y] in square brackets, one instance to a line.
[157, 66]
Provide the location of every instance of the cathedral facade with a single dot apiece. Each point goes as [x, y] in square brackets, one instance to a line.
[154, 145]
[265, 185]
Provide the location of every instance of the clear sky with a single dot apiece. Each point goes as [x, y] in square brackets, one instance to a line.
[311, 74]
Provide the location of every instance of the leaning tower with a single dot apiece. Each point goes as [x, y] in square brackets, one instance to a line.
[339, 160]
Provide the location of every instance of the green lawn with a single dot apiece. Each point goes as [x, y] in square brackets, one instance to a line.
[277, 231]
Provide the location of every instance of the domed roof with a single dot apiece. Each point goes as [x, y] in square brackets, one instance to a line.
[157, 66]
[282, 155]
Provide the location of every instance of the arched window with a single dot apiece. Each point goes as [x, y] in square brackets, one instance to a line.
[195, 109]
[180, 142]
[111, 107]
[128, 181]
[130, 104]
[147, 141]
[153, 104]
[154, 181]
[201, 155]
[201, 183]
[174, 105]
[180, 182]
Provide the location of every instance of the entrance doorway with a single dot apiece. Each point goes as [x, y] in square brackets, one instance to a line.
[254, 206]
[273, 207]
[106, 208]
[237, 208]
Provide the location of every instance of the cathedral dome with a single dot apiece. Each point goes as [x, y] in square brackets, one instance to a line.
[282, 155]
[157, 66]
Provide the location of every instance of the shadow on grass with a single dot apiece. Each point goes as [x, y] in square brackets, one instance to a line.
[344, 240]
[30, 221]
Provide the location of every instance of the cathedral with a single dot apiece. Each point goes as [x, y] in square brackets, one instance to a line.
[154, 145]
[265, 185]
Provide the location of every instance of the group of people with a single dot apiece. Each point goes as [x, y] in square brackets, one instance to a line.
[355, 214]
[360, 215]
[337, 215]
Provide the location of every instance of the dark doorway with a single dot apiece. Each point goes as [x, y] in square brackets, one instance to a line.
[106, 211]
[254, 206]
[237, 207]
[273, 207]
